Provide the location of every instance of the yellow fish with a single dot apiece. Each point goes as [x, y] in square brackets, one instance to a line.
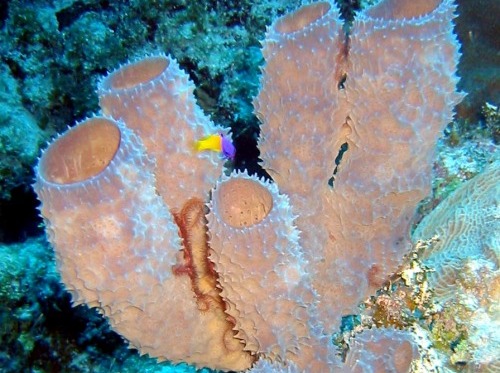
[217, 143]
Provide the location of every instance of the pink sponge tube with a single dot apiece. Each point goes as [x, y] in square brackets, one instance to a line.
[116, 245]
[155, 98]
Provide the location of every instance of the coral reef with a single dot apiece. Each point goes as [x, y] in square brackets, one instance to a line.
[479, 67]
[464, 259]
[447, 294]
[20, 136]
[122, 194]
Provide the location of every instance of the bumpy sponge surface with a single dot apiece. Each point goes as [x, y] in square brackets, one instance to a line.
[116, 245]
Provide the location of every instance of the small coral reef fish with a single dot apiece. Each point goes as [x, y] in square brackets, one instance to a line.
[217, 143]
